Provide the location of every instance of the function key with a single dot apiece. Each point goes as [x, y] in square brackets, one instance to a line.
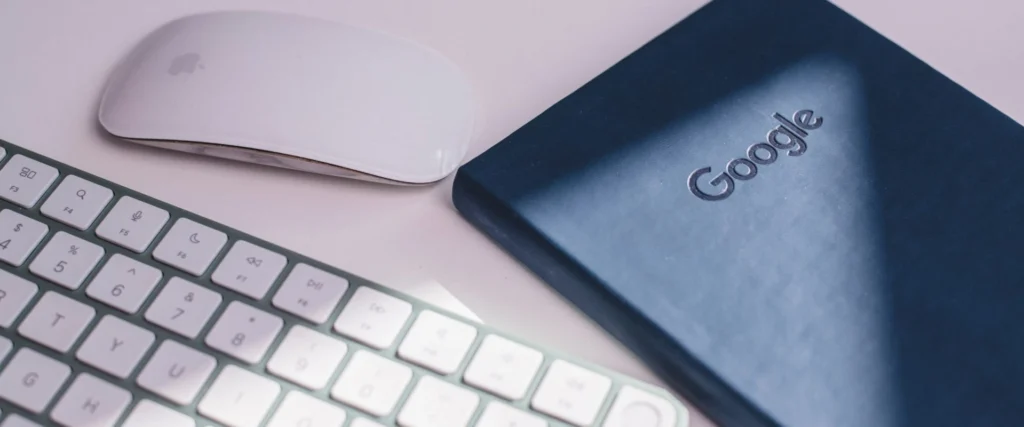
[641, 409]
[310, 293]
[249, 269]
[23, 180]
[571, 393]
[190, 246]
[76, 202]
[19, 236]
[373, 318]
[132, 224]
[503, 367]
[437, 342]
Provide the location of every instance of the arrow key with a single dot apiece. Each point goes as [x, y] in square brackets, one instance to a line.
[124, 283]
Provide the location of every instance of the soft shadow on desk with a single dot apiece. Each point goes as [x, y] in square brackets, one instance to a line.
[876, 280]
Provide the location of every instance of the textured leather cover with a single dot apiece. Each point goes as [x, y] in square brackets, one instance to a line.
[874, 278]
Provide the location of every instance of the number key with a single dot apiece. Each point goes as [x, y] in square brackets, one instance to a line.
[124, 283]
[19, 235]
[66, 260]
[372, 383]
[244, 332]
[307, 358]
[23, 180]
[183, 307]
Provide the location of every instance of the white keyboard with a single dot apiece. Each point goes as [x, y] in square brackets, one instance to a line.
[118, 309]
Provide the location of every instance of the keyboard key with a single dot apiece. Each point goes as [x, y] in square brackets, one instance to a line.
[307, 358]
[437, 403]
[66, 260]
[176, 372]
[249, 269]
[239, 398]
[150, 414]
[15, 420]
[361, 422]
[183, 307]
[372, 383]
[76, 202]
[23, 180]
[310, 293]
[91, 402]
[503, 367]
[124, 283]
[5, 347]
[301, 410]
[244, 332]
[498, 414]
[132, 224]
[190, 246]
[640, 409]
[56, 321]
[31, 380]
[15, 294]
[437, 342]
[115, 346]
[571, 393]
[373, 318]
[19, 236]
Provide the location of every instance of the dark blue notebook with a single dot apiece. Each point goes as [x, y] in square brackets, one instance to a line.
[790, 218]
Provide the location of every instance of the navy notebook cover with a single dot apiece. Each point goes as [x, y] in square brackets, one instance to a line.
[866, 269]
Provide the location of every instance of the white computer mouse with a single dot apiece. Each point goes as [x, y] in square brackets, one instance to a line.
[294, 92]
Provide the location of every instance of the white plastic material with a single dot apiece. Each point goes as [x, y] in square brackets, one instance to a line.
[294, 92]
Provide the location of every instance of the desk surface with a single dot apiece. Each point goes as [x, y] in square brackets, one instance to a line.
[521, 56]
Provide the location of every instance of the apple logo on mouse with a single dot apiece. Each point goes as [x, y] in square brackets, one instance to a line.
[185, 63]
